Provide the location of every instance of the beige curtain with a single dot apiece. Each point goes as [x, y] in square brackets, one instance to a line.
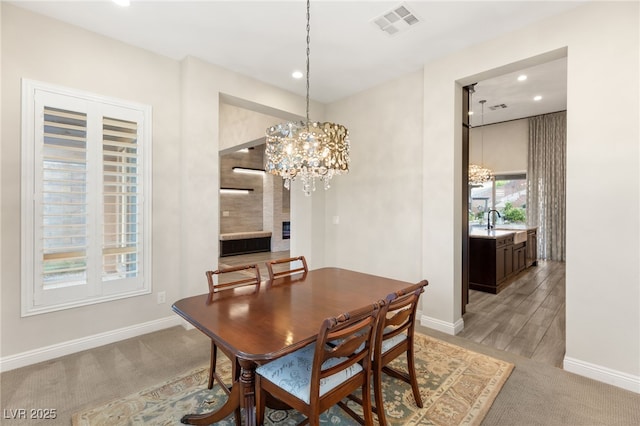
[546, 172]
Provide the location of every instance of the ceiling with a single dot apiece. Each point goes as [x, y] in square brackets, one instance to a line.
[349, 52]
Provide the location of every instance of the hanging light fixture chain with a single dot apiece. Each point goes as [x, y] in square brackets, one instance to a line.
[482, 134]
[308, 53]
[307, 151]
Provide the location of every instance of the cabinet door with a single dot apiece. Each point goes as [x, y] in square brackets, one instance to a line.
[519, 259]
[532, 247]
[500, 262]
[508, 260]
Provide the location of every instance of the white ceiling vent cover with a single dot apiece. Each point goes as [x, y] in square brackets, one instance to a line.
[499, 106]
[397, 20]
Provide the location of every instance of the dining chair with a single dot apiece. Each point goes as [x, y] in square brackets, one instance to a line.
[295, 265]
[226, 280]
[394, 337]
[319, 376]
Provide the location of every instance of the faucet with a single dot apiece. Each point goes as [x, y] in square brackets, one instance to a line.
[489, 219]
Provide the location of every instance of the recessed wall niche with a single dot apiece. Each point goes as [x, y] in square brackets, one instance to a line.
[263, 209]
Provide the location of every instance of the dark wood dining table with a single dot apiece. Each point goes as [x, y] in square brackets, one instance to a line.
[282, 316]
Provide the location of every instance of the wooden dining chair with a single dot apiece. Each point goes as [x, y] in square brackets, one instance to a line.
[295, 265]
[319, 376]
[394, 337]
[226, 280]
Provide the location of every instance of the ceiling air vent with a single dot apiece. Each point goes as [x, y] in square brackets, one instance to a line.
[499, 106]
[397, 20]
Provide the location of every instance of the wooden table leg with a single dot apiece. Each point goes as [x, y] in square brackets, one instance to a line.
[208, 418]
[248, 384]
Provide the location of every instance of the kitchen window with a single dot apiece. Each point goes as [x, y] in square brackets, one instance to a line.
[86, 225]
[506, 193]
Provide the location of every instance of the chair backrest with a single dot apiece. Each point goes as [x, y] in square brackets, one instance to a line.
[233, 277]
[293, 266]
[398, 313]
[351, 336]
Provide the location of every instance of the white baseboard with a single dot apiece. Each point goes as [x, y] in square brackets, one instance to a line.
[602, 374]
[46, 353]
[443, 326]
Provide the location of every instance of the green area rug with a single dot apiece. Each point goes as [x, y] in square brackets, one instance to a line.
[457, 386]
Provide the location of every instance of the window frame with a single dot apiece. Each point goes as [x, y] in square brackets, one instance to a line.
[34, 298]
[492, 204]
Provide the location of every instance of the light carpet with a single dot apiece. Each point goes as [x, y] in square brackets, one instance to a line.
[457, 386]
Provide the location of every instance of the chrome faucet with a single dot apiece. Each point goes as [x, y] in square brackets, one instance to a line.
[489, 219]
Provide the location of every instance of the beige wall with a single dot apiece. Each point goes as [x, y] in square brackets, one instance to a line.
[603, 291]
[399, 209]
[184, 96]
[238, 126]
[379, 203]
[46, 50]
[501, 147]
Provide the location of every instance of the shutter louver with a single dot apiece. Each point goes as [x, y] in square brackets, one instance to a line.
[64, 198]
[121, 249]
[86, 227]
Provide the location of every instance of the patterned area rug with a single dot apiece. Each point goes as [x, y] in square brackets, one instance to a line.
[457, 386]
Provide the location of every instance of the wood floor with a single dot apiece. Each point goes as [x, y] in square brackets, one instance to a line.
[527, 318]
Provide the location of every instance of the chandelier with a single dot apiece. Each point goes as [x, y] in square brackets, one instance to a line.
[307, 149]
[478, 174]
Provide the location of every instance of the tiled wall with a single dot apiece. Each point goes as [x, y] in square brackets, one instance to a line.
[263, 209]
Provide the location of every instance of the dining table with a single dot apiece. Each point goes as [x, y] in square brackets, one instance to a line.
[279, 317]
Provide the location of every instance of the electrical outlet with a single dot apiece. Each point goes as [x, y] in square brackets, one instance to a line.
[162, 297]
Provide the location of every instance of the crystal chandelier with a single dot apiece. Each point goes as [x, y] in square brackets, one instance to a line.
[307, 149]
[478, 174]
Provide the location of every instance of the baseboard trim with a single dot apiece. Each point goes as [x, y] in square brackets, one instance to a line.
[602, 374]
[46, 353]
[443, 326]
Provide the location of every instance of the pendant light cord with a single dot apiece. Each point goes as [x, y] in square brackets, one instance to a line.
[482, 134]
[308, 53]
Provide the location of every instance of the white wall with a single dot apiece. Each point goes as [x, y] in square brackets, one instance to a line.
[379, 203]
[240, 125]
[202, 87]
[501, 147]
[185, 98]
[42, 49]
[602, 272]
[400, 207]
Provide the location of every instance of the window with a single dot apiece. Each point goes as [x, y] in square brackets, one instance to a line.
[86, 198]
[506, 193]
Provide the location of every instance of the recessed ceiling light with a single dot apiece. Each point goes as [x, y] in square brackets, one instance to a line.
[297, 74]
[123, 3]
[522, 77]
[537, 98]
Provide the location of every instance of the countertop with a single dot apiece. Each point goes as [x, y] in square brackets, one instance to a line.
[500, 231]
[491, 234]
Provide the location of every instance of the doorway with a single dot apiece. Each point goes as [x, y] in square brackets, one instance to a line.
[528, 316]
[255, 208]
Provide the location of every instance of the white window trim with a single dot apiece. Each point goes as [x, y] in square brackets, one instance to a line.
[28, 282]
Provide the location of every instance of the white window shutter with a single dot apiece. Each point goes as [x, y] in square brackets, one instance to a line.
[87, 224]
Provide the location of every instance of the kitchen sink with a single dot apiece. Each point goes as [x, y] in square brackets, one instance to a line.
[519, 237]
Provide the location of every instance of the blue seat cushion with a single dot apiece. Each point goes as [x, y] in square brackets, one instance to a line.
[386, 344]
[293, 373]
[390, 343]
